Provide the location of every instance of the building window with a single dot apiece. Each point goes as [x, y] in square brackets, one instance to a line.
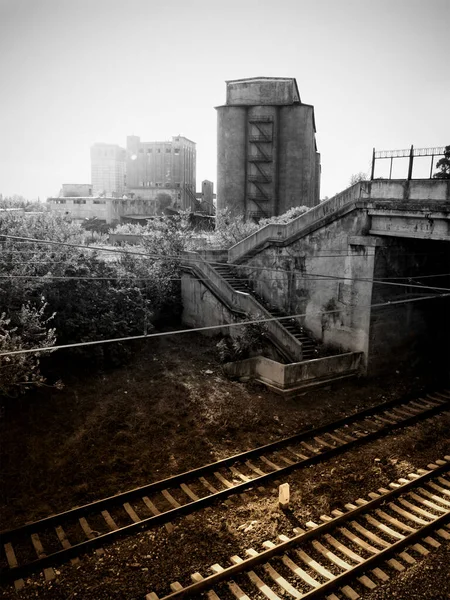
[79, 201]
[99, 201]
[159, 151]
[176, 151]
[168, 150]
[149, 150]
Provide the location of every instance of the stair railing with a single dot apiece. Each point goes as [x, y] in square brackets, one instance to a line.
[283, 231]
[244, 303]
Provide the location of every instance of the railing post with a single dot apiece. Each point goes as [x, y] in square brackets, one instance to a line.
[411, 159]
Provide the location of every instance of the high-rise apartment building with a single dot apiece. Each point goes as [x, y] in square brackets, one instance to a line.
[267, 159]
[162, 172]
[108, 170]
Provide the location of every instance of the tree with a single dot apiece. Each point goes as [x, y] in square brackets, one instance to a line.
[444, 165]
[92, 297]
[163, 201]
[357, 177]
[20, 372]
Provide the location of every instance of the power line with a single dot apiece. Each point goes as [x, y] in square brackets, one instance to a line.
[213, 327]
[307, 277]
[337, 254]
[110, 250]
[212, 263]
[131, 278]
[371, 280]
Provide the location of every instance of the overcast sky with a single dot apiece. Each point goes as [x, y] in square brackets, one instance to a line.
[76, 72]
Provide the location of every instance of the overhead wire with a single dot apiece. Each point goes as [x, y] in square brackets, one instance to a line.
[212, 263]
[304, 276]
[214, 327]
[337, 254]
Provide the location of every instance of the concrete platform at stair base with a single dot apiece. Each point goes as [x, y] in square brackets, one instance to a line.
[288, 380]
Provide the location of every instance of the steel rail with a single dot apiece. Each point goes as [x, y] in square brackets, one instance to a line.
[10, 574]
[331, 525]
[210, 467]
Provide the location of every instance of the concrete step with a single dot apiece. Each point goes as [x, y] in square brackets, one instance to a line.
[237, 282]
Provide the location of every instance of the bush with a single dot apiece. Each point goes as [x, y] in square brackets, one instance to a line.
[231, 229]
[286, 217]
[92, 297]
[20, 372]
[249, 342]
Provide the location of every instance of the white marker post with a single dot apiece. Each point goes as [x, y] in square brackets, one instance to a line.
[283, 495]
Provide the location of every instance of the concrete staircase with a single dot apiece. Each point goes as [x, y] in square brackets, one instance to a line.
[241, 284]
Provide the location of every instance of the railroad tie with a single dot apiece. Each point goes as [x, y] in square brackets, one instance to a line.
[211, 595]
[12, 563]
[49, 573]
[90, 534]
[155, 512]
[257, 581]
[232, 586]
[62, 537]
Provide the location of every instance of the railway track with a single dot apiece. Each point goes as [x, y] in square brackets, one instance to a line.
[46, 543]
[350, 551]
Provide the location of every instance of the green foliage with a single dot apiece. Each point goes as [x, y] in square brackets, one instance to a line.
[286, 217]
[92, 295]
[20, 372]
[16, 201]
[444, 165]
[96, 225]
[357, 177]
[249, 342]
[130, 229]
[231, 229]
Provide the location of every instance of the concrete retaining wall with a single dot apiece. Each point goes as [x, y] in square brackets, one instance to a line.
[287, 379]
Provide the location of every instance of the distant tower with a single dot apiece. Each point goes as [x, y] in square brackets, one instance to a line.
[108, 169]
[267, 159]
[163, 170]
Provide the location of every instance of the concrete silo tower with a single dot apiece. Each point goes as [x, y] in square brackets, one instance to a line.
[267, 159]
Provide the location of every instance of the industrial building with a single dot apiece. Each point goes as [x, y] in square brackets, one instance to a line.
[80, 208]
[75, 190]
[108, 170]
[267, 159]
[162, 172]
[206, 198]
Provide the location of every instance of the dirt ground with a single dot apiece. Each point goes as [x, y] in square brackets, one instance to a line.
[169, 410]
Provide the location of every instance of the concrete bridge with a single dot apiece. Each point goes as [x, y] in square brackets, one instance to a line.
[361, 269]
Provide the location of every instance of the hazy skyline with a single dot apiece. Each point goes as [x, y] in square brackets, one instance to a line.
[83, 71]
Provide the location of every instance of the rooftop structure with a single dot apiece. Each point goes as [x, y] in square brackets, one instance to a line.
[266, 148]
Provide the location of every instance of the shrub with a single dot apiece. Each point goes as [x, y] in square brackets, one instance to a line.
[249, 342]
[20, 372]
[231, 229]
[93, 297]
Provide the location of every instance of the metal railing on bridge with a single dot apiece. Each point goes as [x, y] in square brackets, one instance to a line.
[410, 153]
